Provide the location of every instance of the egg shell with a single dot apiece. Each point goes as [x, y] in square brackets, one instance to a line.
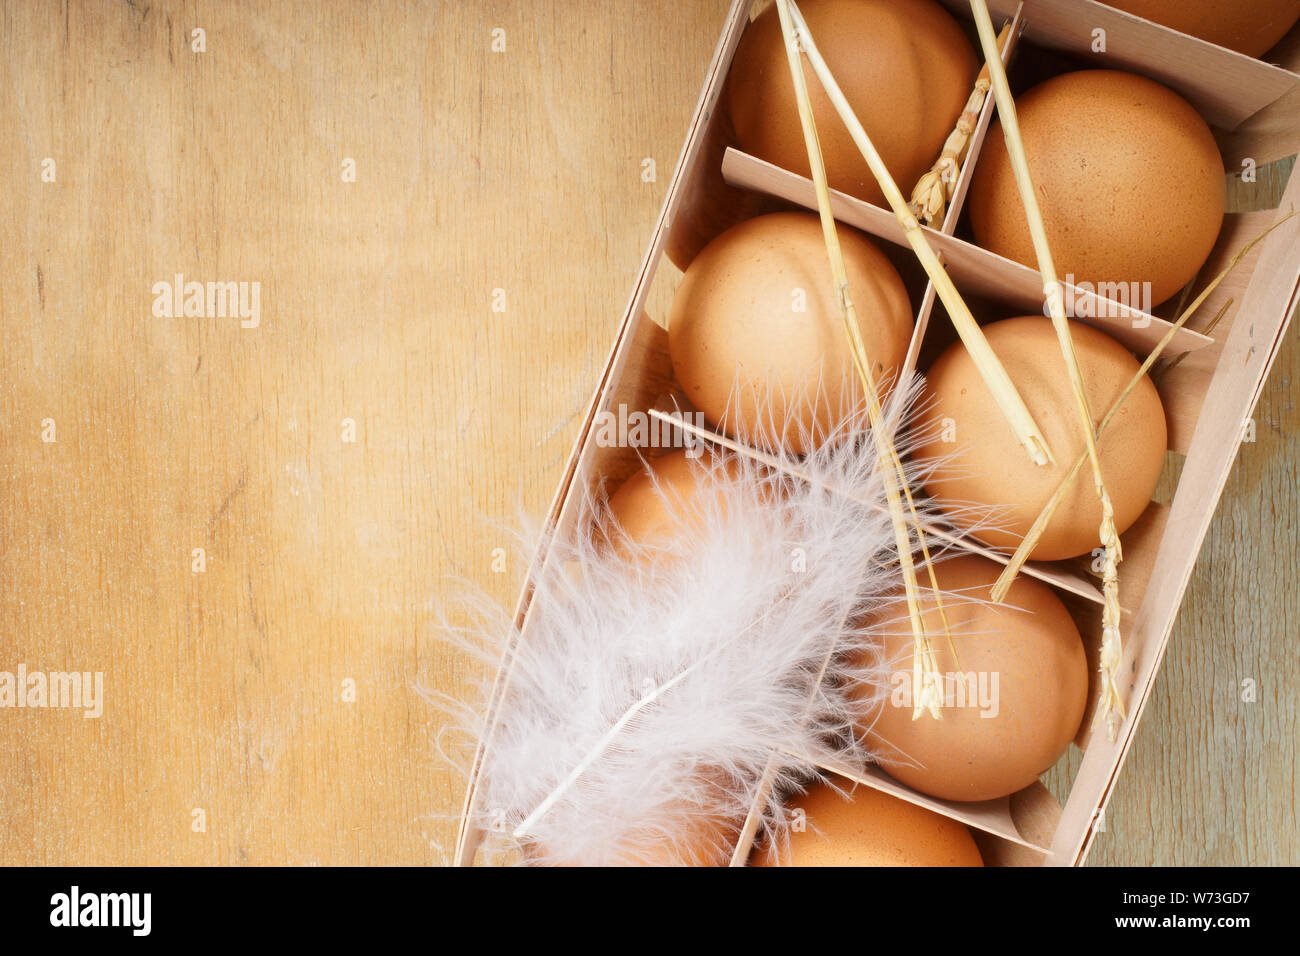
[905, 66]
[652, 505]
[1129, 180]
[756, 311]
[1015, 692]
[870, 828]
[984, 481]
[1248, 26]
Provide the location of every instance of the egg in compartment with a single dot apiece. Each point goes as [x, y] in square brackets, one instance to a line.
[661, 501]
[1129, 180]
[905, 66]
[866, 827]
[1014, 683]
[980, 476]
[757, 338]
[650, 519]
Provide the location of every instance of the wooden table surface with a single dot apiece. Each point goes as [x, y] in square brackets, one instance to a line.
[444, 234]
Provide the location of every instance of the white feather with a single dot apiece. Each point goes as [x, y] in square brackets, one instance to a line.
[650, 696]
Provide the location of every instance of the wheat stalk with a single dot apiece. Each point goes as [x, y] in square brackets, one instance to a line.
[925, 692]
[1110, 667]
[995, 376]
[935, 188]
[1111, 645]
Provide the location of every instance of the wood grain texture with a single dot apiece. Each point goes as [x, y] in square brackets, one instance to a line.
[476, 171]
[1212, 778]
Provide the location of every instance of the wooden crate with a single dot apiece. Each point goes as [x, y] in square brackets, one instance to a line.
[1208, 396]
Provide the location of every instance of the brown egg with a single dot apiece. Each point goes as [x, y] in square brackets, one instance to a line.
[1247, 26]
[986, 484]
[662, 501]
[1014, 695]
[1129, 179]
[871, 828]
[905, 67]
[756, 309]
